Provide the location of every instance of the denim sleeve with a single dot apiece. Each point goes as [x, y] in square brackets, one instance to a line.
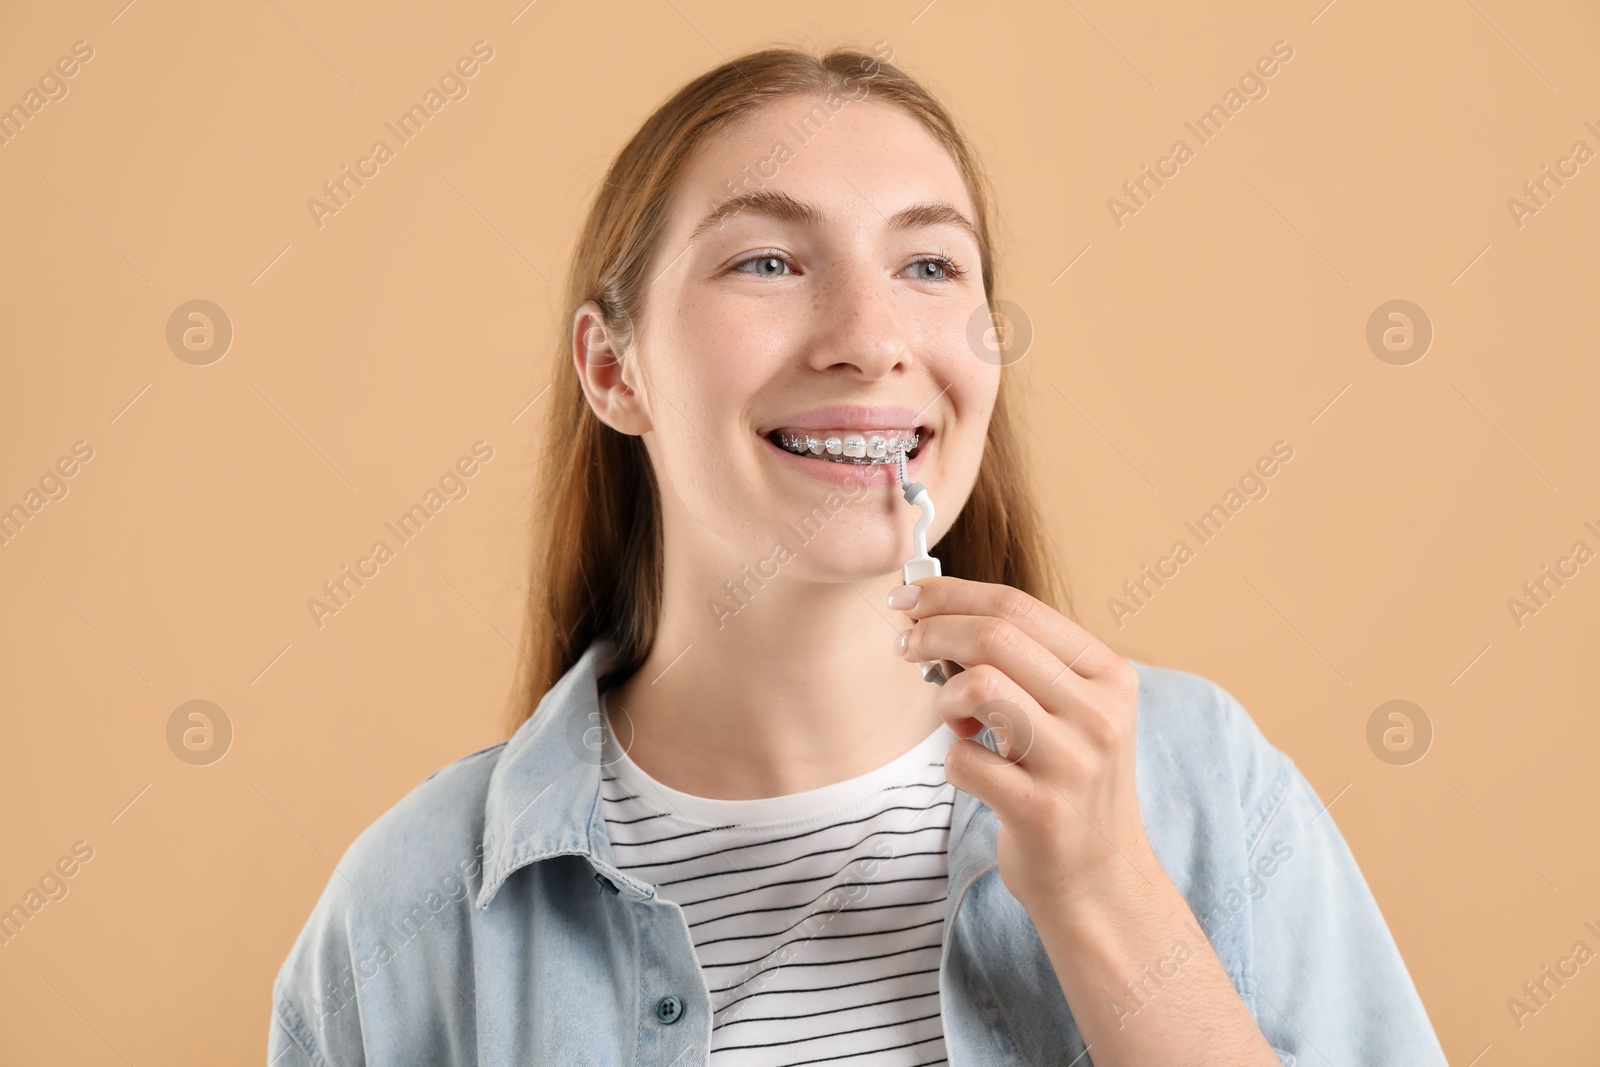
[316, 1019]
[290, 1043]
[377, 972]
[1327, 983]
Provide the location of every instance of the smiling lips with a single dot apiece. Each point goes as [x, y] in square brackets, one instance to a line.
[850, 446]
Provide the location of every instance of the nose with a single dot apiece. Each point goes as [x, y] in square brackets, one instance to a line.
[860, 326]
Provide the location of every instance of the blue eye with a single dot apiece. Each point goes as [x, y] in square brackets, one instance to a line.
[929, 268]
[765, 261]
[946, 268]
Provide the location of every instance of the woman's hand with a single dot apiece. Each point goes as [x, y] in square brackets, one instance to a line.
[1064, 708]
[1072, 846]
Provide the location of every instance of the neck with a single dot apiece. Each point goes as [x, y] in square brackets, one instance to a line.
[798, 688]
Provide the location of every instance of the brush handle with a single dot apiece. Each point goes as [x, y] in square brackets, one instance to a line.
[940, 671]
[936, 671]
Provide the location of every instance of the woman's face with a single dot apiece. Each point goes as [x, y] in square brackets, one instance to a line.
[838, 300]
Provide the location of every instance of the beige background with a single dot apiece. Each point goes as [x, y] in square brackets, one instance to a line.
[368, 354]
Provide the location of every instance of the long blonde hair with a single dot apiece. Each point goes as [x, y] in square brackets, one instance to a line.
[596, 526]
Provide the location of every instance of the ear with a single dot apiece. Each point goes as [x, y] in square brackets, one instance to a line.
[610, 381]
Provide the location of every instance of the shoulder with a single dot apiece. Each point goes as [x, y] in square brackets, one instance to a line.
[1200, 748]
[413, 871]
[438, 822]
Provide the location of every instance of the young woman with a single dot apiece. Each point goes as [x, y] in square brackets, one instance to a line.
[740, 826]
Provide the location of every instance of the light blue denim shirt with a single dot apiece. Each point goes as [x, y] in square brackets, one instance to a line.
[483, 918]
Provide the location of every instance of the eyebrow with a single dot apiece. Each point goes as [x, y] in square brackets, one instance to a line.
[785, 208]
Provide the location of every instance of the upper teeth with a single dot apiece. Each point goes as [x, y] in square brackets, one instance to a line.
[843, 447]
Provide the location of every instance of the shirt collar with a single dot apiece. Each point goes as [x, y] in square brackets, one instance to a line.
[544, 793]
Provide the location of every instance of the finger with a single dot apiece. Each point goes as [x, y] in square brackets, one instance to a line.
[1051, 752]
[1075, 647]
[1002, 785]
[1024, 732]
[974, 639]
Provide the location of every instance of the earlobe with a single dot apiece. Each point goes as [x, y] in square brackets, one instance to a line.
[607, 377]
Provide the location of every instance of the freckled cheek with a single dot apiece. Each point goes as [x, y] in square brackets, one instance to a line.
[982, 389]
[747, 351]
[973, 381]
[708, 400]
[971, 399]
[940, 335]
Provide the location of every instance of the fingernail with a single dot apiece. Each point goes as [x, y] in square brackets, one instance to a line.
[901, 642]
[904, 597]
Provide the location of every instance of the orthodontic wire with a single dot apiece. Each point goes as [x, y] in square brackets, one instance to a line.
[900, 461]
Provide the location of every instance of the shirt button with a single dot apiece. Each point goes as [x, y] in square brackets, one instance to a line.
[669, 1009]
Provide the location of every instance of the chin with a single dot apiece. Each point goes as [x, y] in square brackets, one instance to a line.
[860, 536]
[847, 565]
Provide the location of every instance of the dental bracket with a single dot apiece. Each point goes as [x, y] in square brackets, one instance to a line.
[860, 449]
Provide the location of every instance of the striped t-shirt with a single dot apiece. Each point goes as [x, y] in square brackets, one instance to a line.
[817, 917]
